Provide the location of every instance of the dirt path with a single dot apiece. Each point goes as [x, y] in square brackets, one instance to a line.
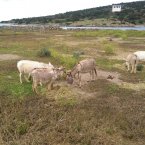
[113, 77]
[110, 76]
[8, 57]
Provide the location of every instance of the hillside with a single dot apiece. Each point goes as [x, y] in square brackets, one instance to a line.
[132, 13]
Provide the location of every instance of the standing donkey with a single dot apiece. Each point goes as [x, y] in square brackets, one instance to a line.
[84, 66]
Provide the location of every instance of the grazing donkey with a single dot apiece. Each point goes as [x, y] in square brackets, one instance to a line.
[131, 61]
[140, 55]
[26, 67]
[84, 66]
[44, 76]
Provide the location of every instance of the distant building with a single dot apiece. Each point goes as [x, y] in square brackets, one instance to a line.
[116, 8]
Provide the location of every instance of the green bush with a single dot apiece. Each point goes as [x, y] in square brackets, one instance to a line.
[44, 52]
[66, 61]
[77, 54]
[124, 37]
[139, 67]
[109, 49]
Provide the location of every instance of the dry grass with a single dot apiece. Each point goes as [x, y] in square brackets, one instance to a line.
[99, 113]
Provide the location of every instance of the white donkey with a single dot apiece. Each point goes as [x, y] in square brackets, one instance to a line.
[140, 55]
[133, 59]
[131, 63]
[26, 67]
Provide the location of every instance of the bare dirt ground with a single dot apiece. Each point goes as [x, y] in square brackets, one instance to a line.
[8, 57]
[101, 74]
[113, 77]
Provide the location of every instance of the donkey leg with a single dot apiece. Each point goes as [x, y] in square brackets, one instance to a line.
[20, 75]
[135, 68]
[80, 84]
[132, 68]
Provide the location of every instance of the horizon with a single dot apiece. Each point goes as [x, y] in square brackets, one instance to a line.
[17, 9]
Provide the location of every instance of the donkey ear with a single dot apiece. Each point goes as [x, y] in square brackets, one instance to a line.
[50, 64]
[61, 68]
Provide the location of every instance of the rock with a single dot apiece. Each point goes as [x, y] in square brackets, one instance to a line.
[110, 77]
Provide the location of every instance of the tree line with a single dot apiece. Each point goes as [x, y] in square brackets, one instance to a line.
[133, 12]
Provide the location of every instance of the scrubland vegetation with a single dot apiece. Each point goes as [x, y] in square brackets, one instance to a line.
[99, 113]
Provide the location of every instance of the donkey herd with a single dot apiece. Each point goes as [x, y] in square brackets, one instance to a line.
[47, 74]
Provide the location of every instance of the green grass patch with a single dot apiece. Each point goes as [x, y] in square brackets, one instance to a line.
[21, 90]
[107, 63]
[44, 52]
[11, 86]
[112, 33]
[64, 60]
[22, 128]
[109, 49]
[112, 88]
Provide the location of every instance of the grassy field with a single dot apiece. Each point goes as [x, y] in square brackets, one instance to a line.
[99, 113]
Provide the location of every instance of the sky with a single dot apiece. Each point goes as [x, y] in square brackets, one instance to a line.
[13, 9]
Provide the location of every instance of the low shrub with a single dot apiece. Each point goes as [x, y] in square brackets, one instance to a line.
[139, 67]
[77, 54]
[66, 61]
[124, 37]
[109, 49]
[44, 52]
